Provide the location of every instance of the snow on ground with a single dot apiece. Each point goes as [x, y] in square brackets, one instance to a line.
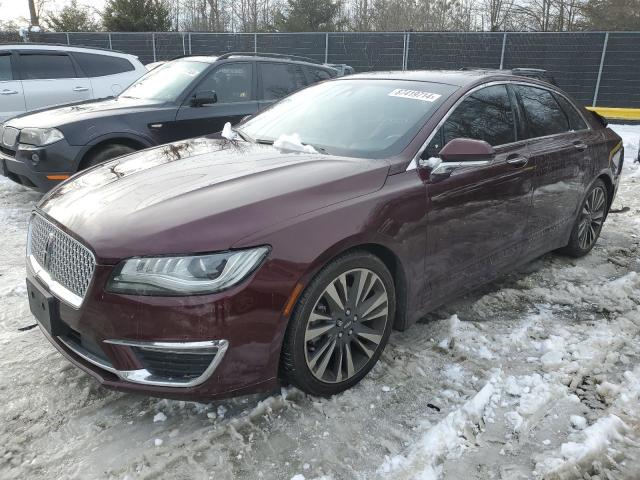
[534, 376]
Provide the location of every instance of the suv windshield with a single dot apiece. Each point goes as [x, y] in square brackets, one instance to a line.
[356, 118]
[166, 82]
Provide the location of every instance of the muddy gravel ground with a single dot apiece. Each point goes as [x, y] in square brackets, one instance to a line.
[536, 375]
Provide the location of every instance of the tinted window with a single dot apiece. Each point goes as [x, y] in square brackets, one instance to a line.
[576, 122]
[231, 82]
[280, 79]
[317, 74]
[543, 114]
[46, 66]
[94, 65]
[484, 115]
[5, 68]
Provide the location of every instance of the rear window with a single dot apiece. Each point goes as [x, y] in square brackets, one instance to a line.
[46, 66]
[544, 115]
[5, 68]
[576, 122]
[280, 79]
[95, 65]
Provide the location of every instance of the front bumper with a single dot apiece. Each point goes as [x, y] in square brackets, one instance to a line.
[55, 163]
[131, 343]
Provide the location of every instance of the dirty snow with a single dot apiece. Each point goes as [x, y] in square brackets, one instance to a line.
[536, 375]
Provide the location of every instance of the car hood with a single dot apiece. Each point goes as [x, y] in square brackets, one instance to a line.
[201, 195]
[76, 112]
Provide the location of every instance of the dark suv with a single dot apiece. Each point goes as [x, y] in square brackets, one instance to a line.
[185, 98]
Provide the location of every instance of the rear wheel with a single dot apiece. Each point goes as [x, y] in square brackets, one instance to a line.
[340, 325]
[589, 223]
[106, 153]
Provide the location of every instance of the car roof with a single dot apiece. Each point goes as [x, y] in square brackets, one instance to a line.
[63, 47]
[266, 57]
[456, 78]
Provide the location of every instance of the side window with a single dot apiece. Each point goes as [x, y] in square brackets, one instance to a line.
[231, 82]
[317, 74]
[46, 66]
[434, 146]
[543, 114]
[576, 122]
[484, 115]
[6, 73]
[94, 65]
[280, 79]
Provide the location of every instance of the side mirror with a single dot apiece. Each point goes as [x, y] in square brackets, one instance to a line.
[466, 150]
[204, 98]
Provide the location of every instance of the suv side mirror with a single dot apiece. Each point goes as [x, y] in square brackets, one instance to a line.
[467, 150]
[204, 98]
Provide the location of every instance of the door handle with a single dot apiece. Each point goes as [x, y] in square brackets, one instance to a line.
[80, 89]
[6, 91]
[517, 160]
[579, 145]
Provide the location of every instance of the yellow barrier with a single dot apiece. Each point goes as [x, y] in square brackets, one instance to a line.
[617, 113]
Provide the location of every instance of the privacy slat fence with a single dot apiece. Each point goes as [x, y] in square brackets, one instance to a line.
[598, 68]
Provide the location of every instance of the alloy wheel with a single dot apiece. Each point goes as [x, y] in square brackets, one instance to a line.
[346, 325]
[591, 217]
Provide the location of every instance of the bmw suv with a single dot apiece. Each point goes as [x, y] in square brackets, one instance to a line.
[184, 98]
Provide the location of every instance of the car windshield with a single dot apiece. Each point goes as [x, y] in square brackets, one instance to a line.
[357, 118]
[166, 82]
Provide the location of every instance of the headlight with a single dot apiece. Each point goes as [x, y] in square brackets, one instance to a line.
[40, 136]
[188, 275]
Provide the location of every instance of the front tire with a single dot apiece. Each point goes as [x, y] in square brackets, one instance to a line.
[589, 223]
[107, 153]
[340, 325]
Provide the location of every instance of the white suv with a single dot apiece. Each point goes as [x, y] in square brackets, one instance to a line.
[34, 76]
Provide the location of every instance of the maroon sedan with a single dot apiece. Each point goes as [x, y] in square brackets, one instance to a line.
[210, 268]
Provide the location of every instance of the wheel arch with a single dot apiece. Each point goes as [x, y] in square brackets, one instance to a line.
[131, 141]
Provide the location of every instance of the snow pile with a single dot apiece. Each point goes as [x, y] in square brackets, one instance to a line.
[228, 133]
[451, 436]
[292, 143]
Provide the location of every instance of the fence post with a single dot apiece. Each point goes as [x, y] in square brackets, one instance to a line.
[406, 51]
[255, 42]
[326, 47]
[184, 47]
[189, 43]
[604, 53]
[110, 42]
[504, 44]
[153, 41]
[68, 41]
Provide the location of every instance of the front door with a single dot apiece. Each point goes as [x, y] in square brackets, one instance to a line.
[50, 78]
[233, 84]
[11, 93]
[477, 216]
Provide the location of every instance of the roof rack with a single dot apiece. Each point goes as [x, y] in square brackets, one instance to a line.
[46, 44]
[269, 55]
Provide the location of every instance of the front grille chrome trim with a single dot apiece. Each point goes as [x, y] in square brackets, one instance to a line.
[61, 262]
[54, 287]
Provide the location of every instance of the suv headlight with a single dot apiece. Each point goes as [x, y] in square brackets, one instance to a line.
[185, 275]
[40, 136]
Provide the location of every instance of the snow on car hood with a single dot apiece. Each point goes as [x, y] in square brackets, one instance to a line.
[201, 195]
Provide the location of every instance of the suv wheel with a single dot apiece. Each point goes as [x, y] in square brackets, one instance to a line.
[107, 153]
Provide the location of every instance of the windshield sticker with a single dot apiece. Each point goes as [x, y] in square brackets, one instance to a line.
[415, 95]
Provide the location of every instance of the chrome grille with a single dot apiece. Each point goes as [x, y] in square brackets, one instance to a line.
[64, 259]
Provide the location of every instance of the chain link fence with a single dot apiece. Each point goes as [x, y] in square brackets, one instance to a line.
[598, 68]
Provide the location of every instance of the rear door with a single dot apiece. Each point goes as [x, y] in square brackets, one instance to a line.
[558, 157]
[51, 78]
[11, 92]
[277, 80]
[477, 216]
[234, 85]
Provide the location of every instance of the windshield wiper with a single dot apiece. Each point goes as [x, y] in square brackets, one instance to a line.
[244, 136]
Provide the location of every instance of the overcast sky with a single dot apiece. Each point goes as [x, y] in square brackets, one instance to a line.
[15, 9]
